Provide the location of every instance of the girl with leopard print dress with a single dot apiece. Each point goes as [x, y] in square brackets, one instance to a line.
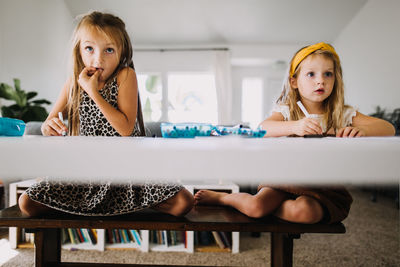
[101, 99]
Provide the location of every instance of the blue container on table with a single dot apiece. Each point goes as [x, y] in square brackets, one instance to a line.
[240, 131]
[185, 130]
[11, 127]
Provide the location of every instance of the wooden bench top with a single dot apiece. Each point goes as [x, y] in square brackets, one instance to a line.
[200, 218]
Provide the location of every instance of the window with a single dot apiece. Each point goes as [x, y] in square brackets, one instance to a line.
[192, 85]
[252, 101]
[188, 97]
[192, 98]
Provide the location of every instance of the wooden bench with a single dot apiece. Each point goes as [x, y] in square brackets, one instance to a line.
[201, 218]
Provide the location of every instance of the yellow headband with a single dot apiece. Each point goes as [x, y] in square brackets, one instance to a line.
[303, 53]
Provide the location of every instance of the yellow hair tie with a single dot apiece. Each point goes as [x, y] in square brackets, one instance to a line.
[303, 53]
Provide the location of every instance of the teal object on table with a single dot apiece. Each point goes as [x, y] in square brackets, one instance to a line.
[240, 131]
[11, 127]
[185, 130]
[191, 130]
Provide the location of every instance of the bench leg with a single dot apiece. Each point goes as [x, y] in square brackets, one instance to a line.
[47, 247]
[282, 249]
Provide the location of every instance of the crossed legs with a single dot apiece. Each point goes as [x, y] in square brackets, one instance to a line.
[178, 205]
[267, 201]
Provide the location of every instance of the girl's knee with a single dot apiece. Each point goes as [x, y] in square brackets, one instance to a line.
[257, 209]
[31, 208]
[25, 205]
[307, 210]
[183, 203]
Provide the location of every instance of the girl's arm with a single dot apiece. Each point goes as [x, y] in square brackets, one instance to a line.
[366, 126]
[122, 119]
[52, 125]
[276, 126]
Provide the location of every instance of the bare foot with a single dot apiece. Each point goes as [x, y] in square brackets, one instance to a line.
[208, 197]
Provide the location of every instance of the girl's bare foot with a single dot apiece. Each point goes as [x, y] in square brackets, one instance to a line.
[208, 197]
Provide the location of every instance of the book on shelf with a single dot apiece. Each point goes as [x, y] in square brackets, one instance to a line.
[72, 236]
[168, 238]
[64, 236]
[78, 236]
[116, 236]
[92, 235]
[136, 236]
[218, 239]
[122, 236]
[226, 238]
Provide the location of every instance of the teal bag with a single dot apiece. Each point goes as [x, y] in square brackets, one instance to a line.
[11, 127]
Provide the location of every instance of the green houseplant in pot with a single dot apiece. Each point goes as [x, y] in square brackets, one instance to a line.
[25, 107]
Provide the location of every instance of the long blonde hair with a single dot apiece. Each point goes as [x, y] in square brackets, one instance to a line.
[333, 105]
[114, 28]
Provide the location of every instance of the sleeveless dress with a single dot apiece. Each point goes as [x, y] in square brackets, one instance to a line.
[335, 200]
[100, 198]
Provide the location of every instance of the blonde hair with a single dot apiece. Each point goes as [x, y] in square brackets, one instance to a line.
[114, 28]
[333, 105]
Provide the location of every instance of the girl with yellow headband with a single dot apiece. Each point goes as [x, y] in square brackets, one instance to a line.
[314, 79]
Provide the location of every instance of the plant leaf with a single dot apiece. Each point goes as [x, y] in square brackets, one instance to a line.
[17, 84]
[7, 92]
[34, 113]
[41, 101]
[31, 95]
[8, 112]
[22, 98]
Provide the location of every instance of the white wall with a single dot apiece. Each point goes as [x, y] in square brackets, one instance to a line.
[369, 50]
[34, 44]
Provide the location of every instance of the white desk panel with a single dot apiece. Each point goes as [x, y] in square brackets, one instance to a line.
[241, 160]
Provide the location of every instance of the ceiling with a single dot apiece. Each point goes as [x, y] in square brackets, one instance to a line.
[205, 22]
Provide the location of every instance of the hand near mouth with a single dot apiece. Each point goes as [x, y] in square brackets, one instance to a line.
[89, 79]
[92, 70]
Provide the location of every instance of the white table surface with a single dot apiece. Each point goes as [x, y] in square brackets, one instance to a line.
[207, 159]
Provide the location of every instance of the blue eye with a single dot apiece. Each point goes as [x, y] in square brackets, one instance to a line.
[110, 50]
[89, 48]
[310, 74]
[329, 74]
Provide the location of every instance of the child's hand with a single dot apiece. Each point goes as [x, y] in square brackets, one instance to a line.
[53, 127]
[307, 126]
[350, 132]
[89, 79]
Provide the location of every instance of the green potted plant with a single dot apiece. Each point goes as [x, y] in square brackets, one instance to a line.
[24, 108]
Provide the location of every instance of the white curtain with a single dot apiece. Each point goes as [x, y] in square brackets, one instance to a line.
[223, 85]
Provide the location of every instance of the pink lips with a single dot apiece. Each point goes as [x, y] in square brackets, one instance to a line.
[320, 91]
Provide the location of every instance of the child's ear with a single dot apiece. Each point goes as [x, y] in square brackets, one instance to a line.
[293, 82]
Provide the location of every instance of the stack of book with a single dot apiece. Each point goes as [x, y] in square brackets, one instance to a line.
[168, 238]
[79, 235]
[118, 236]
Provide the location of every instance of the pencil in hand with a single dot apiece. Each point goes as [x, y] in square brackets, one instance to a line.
[60, 116]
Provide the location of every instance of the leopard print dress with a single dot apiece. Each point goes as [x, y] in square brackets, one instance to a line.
[100, 198]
